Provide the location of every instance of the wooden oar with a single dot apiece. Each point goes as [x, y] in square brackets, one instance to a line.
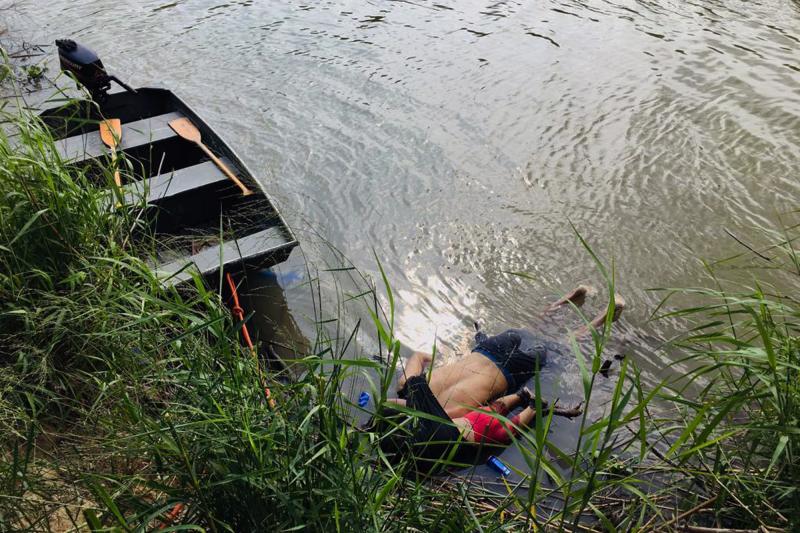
[111, 133]
[185, 129]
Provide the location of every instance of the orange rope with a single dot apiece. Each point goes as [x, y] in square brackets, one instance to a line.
[172, 515]
[238, 312]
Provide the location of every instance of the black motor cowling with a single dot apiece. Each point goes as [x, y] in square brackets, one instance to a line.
[87, 68]
[84, 64]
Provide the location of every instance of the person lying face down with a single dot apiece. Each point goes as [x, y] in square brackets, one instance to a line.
[496, 366]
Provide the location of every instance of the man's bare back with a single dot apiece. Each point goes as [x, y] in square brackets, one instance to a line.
[461, 385]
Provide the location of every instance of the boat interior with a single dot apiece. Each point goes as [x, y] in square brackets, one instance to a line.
[199, 217]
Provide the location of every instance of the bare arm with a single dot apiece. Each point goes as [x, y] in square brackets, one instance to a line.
[414, 367]
[505, 404]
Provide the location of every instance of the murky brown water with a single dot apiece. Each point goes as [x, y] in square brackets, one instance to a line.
[458, 139]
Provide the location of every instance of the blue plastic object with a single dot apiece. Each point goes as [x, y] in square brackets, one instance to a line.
[363, 399]
[498, 465]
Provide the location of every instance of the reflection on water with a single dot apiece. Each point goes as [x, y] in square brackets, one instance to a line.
[271, 320]
[459, 139]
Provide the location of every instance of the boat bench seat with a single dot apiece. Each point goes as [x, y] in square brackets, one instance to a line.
[172, 185]
[134, 134]
[238, 252]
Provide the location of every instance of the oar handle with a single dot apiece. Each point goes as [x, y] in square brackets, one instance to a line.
[225, 170]
[117, 177]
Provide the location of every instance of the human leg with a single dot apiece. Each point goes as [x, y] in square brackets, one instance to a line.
[600, 319]
[527, 415]
[521, 352]
[576, 297]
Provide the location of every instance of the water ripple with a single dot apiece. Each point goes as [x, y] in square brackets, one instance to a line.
[460, 139]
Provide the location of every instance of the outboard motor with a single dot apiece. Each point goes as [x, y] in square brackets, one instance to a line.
[87, 68]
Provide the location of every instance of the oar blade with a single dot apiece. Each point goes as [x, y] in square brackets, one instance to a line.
[185, 129]
[111, 132]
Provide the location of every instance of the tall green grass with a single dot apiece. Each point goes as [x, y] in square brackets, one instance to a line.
[83, 320]
[121, 398]
[739, 404]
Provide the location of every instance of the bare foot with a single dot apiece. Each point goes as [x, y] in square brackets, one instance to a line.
[600, 319]
[576, 296]
[619, 306]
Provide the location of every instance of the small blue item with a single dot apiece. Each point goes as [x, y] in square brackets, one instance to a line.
[363, 399]
[498, 465]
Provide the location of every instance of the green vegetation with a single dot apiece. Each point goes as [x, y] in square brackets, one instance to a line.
[120, 399]
[5, 72]
[34, 72]
[12, 72]
[739, 431]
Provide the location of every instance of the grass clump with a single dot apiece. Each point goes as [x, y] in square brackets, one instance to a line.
[739, 404]
[60, 273]
[83, 321]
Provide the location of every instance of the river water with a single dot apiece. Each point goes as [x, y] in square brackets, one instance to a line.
[462, 140]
